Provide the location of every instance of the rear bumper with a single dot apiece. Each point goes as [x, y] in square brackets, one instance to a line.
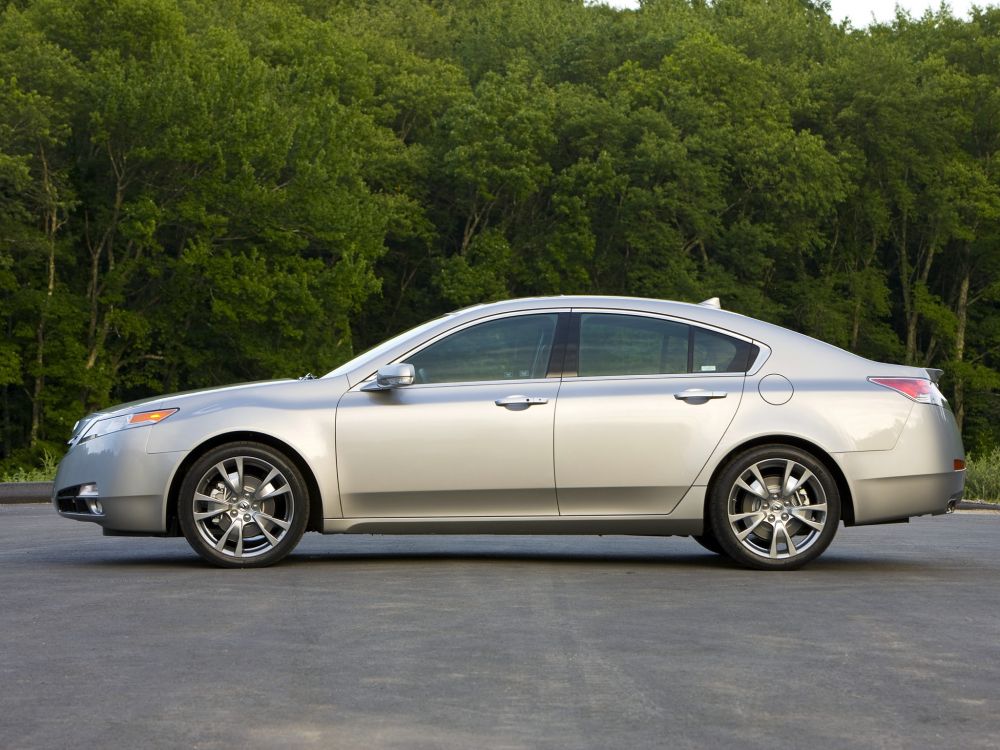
[896, 498]
[917, 477]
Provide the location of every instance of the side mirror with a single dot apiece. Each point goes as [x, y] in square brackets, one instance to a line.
[391, 376]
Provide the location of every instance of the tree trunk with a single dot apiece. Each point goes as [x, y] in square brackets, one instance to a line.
[962, 315]
[51, 223]
[6, 422]
[909, 314]
[856, 325]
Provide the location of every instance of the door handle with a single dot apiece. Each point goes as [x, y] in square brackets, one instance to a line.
[521, 401]
[698, 394]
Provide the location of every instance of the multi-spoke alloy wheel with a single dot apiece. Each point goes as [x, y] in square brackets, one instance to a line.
[243, 505]
[774, 507]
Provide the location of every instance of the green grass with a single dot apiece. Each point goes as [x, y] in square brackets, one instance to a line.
[982, 477]
[44, 473]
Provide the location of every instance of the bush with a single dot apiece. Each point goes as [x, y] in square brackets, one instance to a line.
[982, 477]
[46, 472]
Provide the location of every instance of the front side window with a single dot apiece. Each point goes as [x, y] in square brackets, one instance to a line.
[514, 348]
[615, 344]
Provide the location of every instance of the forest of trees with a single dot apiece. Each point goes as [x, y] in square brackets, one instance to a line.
[198, 192]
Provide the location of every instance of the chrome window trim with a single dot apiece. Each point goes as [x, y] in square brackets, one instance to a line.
[655, 376]
[763, 354]
[474, 383]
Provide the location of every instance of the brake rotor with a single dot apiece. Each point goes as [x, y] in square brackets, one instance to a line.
[765, 531]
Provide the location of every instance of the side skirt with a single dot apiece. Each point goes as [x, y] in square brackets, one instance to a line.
[686, 519]
[629, 525]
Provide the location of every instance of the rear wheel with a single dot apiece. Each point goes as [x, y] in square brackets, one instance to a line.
[243, 505]
[774, 507]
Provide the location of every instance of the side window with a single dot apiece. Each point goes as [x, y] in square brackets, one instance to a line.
[631, 345]
[716, 352]
[512, 348]
[615, 344]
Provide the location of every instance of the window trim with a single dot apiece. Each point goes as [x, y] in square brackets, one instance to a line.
[566, 345]
[572, 361]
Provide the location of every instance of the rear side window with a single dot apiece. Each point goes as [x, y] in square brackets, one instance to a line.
[631, 345]
[613, 344]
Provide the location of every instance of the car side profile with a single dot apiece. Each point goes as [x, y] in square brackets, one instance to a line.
[555, 415]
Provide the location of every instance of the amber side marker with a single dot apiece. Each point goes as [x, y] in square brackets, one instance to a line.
[150, 417]
[959, 464]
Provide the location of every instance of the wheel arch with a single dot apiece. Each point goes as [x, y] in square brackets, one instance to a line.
[846, 498]
[315, 497]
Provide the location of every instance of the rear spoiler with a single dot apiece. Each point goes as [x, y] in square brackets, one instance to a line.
[934, 374]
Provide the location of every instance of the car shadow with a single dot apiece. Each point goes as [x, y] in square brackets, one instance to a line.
[312, 559]
[493, 556]
[695, 560]
[388, 553]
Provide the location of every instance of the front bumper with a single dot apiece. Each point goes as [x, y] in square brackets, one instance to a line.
[131, 485]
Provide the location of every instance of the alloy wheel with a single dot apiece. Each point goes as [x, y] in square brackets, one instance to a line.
[777, 508]
[243, 506]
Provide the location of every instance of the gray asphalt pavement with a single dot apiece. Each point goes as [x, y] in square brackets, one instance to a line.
[892, 640]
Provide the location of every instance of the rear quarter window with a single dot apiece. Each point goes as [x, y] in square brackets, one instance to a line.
[716, 352]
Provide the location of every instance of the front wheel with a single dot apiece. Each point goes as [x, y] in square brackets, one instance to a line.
[243, 505]
[774, 507]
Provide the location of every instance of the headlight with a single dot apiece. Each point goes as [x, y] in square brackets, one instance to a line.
[125, 422]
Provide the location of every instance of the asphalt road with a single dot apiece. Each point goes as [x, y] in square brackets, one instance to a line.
[892, 639]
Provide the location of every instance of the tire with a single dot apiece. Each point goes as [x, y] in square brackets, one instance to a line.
[243, 505]
[774, 507]
[709, 542]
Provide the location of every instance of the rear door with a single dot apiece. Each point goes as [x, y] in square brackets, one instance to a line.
[643, 403]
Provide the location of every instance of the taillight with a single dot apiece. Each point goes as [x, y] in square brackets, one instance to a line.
[918, 389]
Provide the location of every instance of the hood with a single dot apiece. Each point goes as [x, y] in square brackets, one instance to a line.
[171, 400]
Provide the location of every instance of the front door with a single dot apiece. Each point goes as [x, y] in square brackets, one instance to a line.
[471, 437]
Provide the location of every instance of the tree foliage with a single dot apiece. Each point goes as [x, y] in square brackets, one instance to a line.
[195, 192]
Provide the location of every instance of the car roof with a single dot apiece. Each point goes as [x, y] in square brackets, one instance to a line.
[725, 319]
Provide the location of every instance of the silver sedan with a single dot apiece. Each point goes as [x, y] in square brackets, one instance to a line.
[557, 415]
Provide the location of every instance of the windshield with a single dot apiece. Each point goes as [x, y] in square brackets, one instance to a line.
[385, 346]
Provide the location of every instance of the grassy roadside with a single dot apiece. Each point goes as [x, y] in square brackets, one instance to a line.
[982, 477]
[44, 473]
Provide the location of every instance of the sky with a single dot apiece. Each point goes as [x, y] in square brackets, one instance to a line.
[860, 12]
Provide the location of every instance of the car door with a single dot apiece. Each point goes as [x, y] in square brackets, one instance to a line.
[471, 437]
[644, 402]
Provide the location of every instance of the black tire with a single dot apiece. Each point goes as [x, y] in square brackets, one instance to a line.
[254, 528]
[782, 524]
[709, 542]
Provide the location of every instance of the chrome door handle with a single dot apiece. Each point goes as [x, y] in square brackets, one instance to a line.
[694, 394]
[521, 401]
